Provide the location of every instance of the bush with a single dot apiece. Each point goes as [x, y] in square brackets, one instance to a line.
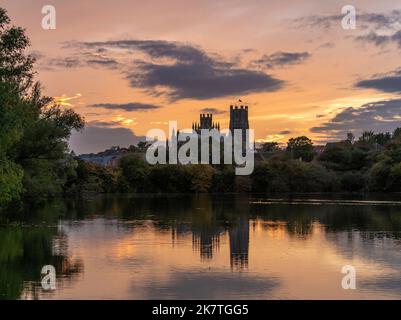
[353, 181]
[134, 173]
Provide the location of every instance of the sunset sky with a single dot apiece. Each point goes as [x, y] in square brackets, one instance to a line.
[129, 66]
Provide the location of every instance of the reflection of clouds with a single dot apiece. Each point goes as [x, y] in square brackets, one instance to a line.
[378, 255]
[197, 284]
[385, 283]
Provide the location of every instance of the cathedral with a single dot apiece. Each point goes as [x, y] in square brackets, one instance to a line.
[238, 120]
[205, 122]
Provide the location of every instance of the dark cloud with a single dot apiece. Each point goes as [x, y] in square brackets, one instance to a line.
[201, 80]
[213, 110]
[390, 82]
[154, 48]
[373, 37]
[96, 138]
[380, 40]
[211, 285]
[379, 116]
[132, 106]
[364, 20]
[68, 63]
[103, 124]
[182, 71]
[317, 21]
[105, 62]
[285, 132]
[85, 60]
[326, 45]
[281, 59]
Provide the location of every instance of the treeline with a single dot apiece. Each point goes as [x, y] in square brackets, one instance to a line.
[370, 164]
[134, 175]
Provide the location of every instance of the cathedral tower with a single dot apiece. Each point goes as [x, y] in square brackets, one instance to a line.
[239, 121]
[205, 122]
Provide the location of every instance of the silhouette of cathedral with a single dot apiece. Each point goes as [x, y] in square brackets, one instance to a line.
[239, 118]
[205, 122]
[239, 121]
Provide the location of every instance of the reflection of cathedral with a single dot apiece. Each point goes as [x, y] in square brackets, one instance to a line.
[239, 243]
[206, 229]
[206, 243]
[209, 225]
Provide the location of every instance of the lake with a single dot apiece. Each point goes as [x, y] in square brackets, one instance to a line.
[204, 247]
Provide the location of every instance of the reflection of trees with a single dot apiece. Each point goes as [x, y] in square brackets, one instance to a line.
[23, 253]
[298, 219]
[301, 228]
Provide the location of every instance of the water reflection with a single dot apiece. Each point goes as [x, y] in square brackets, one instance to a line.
[23, 253]
[239, 242]
[143, 247]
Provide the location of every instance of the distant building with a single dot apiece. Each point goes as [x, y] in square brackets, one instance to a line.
[107, 158]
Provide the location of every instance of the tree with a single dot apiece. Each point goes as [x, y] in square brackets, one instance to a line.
[397, 133]
[269, 147]
[33, 129]
[12, 110]
[367, 136]
[382, 138]
[134, 173]
[10, 181]
[301, 148]
[201, 177]
[169, 178]
[16, 68]
[142, 146]
[90, 178]
[350, 137]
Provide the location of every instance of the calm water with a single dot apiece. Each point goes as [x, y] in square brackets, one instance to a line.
[203, 247]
